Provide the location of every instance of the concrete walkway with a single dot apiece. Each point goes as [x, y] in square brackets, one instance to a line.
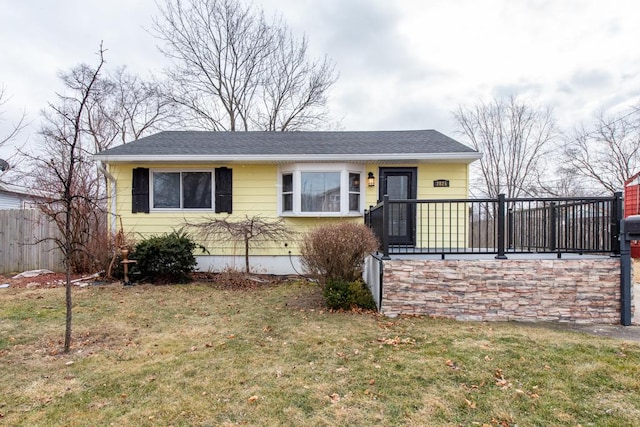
[627, 333]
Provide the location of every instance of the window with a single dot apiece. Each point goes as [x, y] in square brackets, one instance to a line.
[182, 190]
[287, 192]
[354, 191]
[329, 190]
[320, 191]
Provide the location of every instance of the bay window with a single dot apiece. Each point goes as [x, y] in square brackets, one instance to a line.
[320, 190]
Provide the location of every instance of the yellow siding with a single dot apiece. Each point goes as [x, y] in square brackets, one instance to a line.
[431, 227]
[255, 192]
[446, 225]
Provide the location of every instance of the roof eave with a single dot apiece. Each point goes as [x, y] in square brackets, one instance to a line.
[465, 157]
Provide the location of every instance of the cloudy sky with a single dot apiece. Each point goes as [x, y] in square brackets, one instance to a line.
[402, 65]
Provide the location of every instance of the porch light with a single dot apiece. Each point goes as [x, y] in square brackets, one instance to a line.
[371, 180]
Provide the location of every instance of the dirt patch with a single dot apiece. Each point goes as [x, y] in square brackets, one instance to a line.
[309, 299]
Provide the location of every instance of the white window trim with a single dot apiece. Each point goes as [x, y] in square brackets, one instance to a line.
[180, 209]
[344, 168]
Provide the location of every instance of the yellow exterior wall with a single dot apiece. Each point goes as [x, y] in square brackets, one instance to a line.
[431, 228]
[255, 192]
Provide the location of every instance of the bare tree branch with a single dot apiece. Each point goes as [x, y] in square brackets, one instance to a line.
[513, 138]
[233, 70]
[16, 127]
[249, 231]
[608, 153]
[13, 131]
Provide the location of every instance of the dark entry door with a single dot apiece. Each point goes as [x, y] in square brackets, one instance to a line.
[400, 184]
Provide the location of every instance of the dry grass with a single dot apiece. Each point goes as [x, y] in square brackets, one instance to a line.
[200, 355]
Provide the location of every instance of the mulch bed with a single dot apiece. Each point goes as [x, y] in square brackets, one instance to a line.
[48, 280]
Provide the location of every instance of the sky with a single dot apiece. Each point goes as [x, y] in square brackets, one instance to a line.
[406, 64]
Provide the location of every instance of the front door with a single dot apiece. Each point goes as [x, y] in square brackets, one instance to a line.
[400, 184]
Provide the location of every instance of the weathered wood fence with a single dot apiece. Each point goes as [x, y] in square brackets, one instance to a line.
[25, 242]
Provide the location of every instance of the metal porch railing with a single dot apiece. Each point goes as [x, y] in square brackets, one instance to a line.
[498, 226]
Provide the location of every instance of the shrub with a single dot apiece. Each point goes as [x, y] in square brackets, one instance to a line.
[337, 251]
[340, 294]
[166, 259]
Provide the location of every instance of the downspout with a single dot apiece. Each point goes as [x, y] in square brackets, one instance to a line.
[111, 178]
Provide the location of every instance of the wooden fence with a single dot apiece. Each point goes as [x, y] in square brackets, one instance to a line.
[25, 242]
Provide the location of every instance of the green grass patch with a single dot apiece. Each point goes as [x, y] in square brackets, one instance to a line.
[199, 355]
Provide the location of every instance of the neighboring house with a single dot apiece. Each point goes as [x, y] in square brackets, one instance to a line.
[16, 197]
[161, 181]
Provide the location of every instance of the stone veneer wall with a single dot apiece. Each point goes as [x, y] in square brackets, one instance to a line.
[575, 290]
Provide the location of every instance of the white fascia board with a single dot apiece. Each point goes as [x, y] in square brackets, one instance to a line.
[252, 158]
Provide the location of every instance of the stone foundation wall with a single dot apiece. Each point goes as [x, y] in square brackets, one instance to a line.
[581, 291]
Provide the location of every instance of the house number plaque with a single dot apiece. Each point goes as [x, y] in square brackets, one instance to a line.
[441, 183]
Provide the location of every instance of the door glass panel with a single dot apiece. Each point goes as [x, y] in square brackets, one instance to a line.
[398, 188]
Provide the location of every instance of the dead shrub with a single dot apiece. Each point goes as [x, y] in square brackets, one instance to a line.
[337, 251]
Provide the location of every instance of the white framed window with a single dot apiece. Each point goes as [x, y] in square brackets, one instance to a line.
[181, 190]
[320, 190]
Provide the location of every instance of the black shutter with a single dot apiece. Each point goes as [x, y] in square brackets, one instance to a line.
[140, 190]
[223, 190]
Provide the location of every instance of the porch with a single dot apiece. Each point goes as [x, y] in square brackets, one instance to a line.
[500, 260]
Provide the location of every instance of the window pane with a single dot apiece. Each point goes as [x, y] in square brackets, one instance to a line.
[320, 191]
[354, 182]
[196, 190]
[354, 202]
[287, 202]
[166, 190]
[287, 183]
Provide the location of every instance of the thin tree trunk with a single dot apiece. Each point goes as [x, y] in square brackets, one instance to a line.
[67, 333]
[246, 255]
[68, 243]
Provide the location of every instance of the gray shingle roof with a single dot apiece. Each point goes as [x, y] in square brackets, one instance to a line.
[307, 145]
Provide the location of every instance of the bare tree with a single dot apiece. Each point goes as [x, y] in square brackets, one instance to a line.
[119, 107]
[563, 183]
[513, 137]
[138, 106]
[233, 70]
[65, 173]
[249, 231]
[608, 153]
[123, 108]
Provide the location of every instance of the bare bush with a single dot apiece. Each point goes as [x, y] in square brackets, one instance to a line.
[249, 231]
[337, 251]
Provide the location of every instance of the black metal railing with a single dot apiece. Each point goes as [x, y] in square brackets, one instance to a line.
[497, 226]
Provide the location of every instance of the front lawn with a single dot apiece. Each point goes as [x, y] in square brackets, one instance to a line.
[199, 355]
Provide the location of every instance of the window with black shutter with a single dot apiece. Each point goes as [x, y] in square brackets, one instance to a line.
[223, 183]
[181, 190]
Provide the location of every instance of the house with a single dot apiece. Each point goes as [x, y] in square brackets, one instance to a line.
[17, 197]
[164, 180]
